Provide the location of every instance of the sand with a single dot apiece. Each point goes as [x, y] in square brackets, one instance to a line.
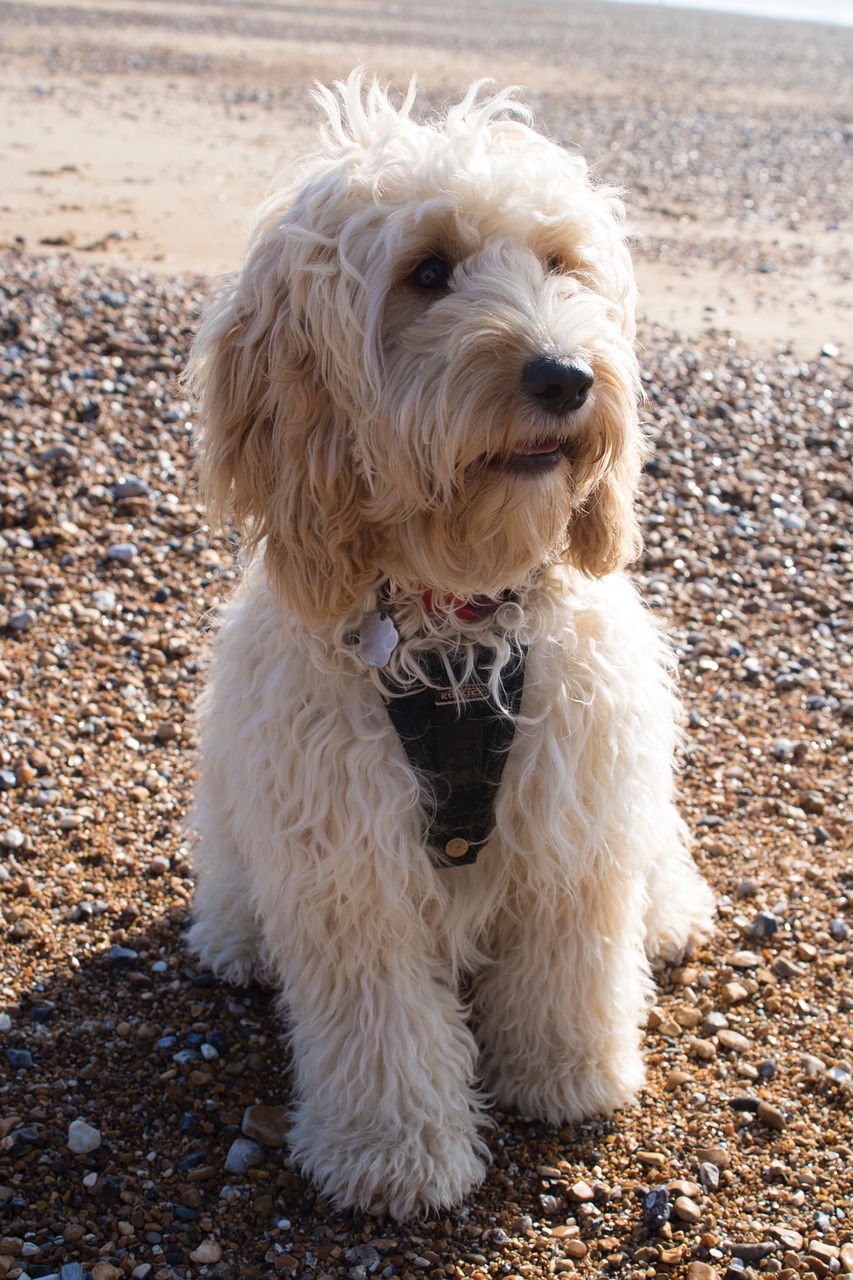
[147, 134]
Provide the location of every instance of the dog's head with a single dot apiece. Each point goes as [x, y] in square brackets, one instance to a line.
[425, 372]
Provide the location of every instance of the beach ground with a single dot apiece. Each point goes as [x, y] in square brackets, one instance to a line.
[143, 1106]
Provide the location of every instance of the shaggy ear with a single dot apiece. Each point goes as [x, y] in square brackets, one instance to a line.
[273, 453]
[604, 533]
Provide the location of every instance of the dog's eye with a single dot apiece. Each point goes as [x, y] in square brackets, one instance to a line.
[432, 273]
[554, 264]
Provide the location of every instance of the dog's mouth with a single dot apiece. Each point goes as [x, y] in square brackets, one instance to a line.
[536, 456]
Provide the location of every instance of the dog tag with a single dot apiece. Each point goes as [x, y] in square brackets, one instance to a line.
[377, 640]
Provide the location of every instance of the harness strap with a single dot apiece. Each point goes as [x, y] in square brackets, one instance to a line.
[461, 747]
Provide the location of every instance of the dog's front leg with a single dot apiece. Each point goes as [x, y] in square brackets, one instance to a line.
[387, 1118]
[563, 998]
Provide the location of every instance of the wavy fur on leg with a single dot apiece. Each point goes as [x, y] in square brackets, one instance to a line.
[375, 417]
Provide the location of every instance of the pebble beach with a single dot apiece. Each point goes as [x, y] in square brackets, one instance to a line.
[143, 1105]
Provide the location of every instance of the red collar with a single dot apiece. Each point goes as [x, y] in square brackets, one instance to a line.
[465, 610]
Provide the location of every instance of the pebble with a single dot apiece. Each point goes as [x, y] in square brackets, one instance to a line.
[750, 1251]
[106, 1271]
[745, 960]
[269, 1125]
[709, 1176]
[656, 1209]
[764, 925]
[243, 1154]
[771, 1116]
[83, 1137]
[732, 1041]
[13, 839]
[19, 1059]
[686, 1210]
[208, 1252]
[580, 1192]
[717, 1156]
[124, 552]
[22, 621]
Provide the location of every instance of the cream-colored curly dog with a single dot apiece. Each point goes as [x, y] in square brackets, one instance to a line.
[419, 402]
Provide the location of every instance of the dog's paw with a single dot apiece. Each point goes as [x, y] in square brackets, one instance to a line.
[677, 927]
[232, 956]
[403, 1175]
[580, 1092]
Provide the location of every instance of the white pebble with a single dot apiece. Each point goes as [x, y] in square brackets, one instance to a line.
[82, 1137]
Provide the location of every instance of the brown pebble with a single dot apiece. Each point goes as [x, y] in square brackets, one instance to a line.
[732, 1041]
[105, 1271]
[705, 1050]
[686, 1209]
[771, 1116]
[713, 1155]
[683, 1187]
[734, 993]
[581, 1192]
[269, 1125]
[575, 1249]
[702, 1271]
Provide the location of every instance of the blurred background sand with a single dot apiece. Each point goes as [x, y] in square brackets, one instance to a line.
[146, 132]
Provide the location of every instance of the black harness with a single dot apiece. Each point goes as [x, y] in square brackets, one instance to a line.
[460, 745]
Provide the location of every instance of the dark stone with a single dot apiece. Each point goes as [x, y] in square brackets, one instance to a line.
[655, 1209]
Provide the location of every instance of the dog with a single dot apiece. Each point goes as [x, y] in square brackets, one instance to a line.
[436, 800]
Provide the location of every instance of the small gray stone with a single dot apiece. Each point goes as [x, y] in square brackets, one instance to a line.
[124, 552]
[130, 487]
[713, 1023]
[22, 621]
[242, 1155]
[839, 929]
[14, 838]
[72, 1271]
[58, 455]
[123, 956]
[709, 1176]
[764, 924]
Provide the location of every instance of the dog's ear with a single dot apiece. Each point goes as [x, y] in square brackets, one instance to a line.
[604, 534]
[273, 453]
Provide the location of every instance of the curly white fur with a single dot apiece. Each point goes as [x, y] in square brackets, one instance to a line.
[375, 438]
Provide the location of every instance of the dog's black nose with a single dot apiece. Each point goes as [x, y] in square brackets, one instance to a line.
[557, 386]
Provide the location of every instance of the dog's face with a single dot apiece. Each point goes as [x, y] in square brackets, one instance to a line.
[426, 370]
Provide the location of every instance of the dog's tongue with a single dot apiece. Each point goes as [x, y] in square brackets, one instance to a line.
[543, 446]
